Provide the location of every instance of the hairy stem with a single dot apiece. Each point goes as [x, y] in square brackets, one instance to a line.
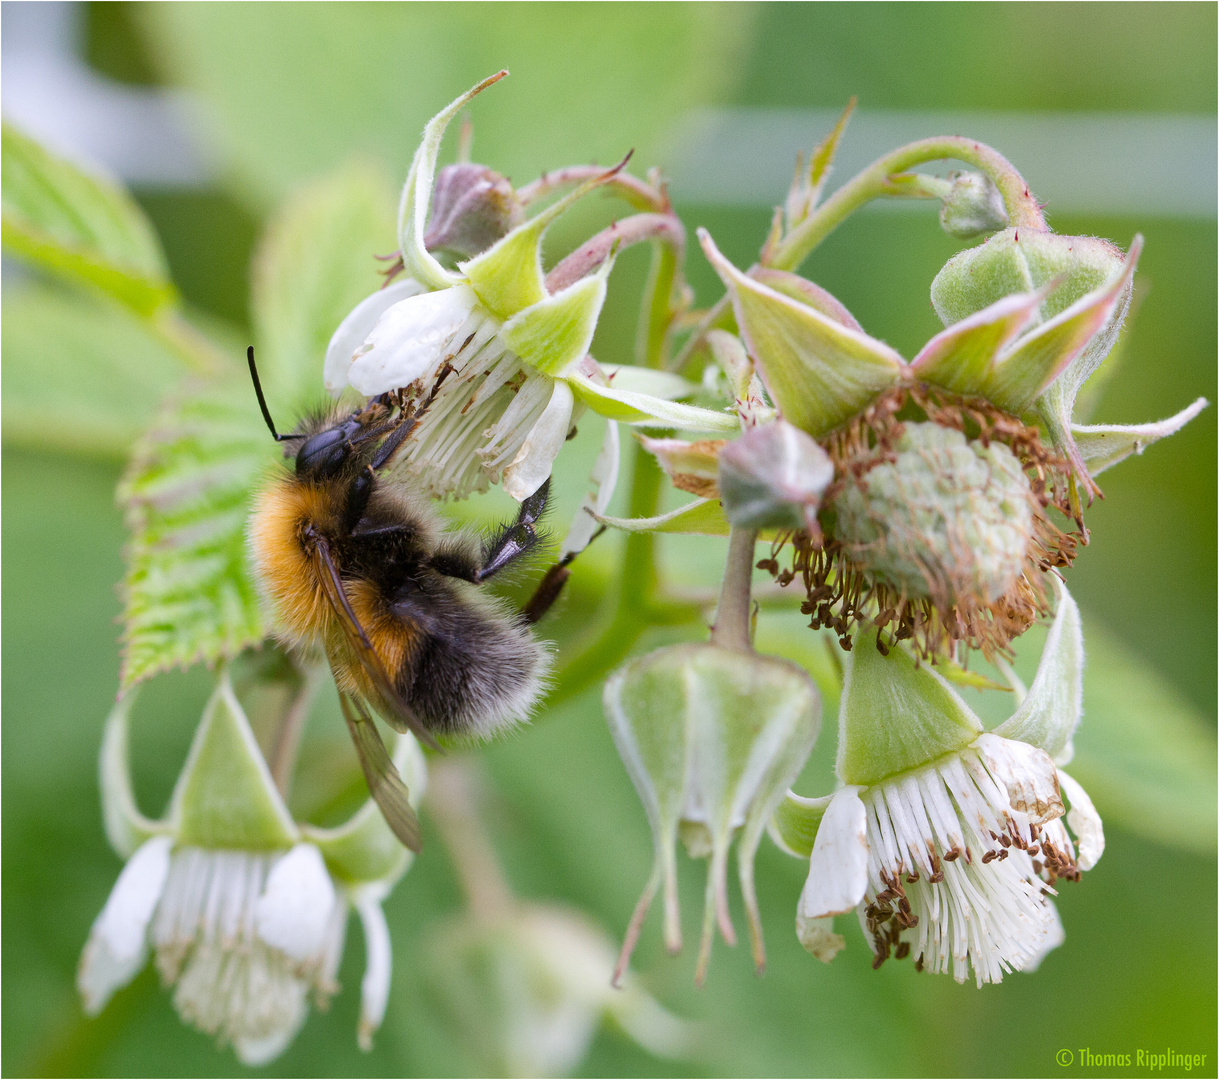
[665, 228]
[732, 616]
[638, 193]
[874, 182]
[454, 802]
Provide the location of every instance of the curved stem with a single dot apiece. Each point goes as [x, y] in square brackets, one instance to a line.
[288, 734]
[666, 228]
[638, 193]
[874, 182]
[454, 802]
[732, 616]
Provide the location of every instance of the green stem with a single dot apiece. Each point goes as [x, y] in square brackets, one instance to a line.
[732, 615]
[656, 314]
[874, 182]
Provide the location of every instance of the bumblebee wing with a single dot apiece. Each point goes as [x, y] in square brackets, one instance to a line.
[384, 783]
[396, 711]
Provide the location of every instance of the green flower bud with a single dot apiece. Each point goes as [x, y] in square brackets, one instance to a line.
[773, 477]
[942, 519]
[712, 738]
[472, 207]
[1023, 261]
[972, 206]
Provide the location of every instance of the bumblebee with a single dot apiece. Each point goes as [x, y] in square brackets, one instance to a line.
[360, 566]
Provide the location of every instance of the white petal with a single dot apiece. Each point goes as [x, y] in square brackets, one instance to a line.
[118, 943]
[254, 1052]
[294, 910]
[374, 987]
[1027, 773]
[411, 339]
[604, 478]
[818, 937]
[1055, 935]
[1085, 822]
[838, 866]
[357, 326]
[532, 464]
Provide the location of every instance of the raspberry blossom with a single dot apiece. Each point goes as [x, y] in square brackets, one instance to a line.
[245, 910]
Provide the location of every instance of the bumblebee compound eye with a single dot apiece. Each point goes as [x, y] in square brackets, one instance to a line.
[325, 453]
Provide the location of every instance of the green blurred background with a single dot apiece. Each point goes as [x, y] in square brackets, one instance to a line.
[288, 92]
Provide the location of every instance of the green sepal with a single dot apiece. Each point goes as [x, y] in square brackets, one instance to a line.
[364, 848]
[508, 276]
[126, 827]
[896, 715]
[641, 380]
[1034, 361]
[643, 409]
[1101, 446]
[1050, 712]
[818, 371]
[793, 825]
[556, 331]
[702, 517]
[962, 357]
[225, 797]
[79, 227]
[417, 261]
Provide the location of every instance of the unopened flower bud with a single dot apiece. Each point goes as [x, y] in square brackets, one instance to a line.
[972, 206]
[943, 518]
[773, 477]
[1024, 260]
[712, 738]
[472, 207]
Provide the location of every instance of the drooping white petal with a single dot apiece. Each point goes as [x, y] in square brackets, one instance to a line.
[118, 943]
[1028, 774]
[1085, 822]
[603, 479]
[1054, 935]
[257, 1052]
[374, 987]
[534, 460]
[295, 909]
[357, 326]
[413, 338]
[838, 866]
[818, 937]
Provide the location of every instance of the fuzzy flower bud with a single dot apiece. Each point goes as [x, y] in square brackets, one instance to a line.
[773, 477]
[472, 207]
[972, 206]
[941, 519]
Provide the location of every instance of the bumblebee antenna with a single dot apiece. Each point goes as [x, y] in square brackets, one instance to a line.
[262, 401]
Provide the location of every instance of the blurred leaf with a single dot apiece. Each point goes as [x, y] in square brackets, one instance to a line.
[80, 374]
[314, 264]
[189, 592]
[79, 226]
[1145, 756]
[295, 88]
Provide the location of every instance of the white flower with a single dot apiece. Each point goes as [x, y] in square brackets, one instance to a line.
[245, 912]
[952, 864]
[947, 840]
[507, 359]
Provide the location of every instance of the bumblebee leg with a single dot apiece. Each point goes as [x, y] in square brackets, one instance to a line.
[508, 544]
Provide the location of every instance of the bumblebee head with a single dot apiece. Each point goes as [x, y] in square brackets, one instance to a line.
[325, 454]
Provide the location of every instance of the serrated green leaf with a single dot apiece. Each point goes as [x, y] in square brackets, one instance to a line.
[81, 375]
[79, 226]
[189, 592]
[315, 263]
